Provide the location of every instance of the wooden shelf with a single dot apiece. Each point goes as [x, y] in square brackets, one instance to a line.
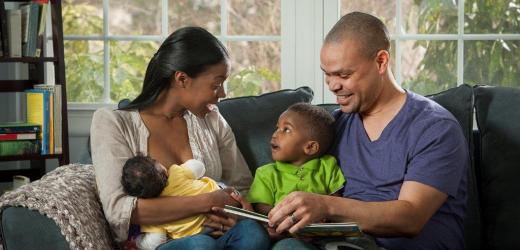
[29, 157]
[16, 85]
[28, 59]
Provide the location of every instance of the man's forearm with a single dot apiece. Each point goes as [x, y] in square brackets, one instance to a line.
[386, 218]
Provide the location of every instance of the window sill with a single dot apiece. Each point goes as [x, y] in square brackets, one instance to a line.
[89, 106]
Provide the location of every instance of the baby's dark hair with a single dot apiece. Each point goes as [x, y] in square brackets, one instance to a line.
[141, 178]
[318, 122]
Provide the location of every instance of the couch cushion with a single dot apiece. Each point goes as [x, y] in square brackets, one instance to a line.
[459, 101]
[253, 120]
[498, 120]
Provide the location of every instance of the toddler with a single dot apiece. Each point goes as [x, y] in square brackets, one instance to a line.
[299, 144]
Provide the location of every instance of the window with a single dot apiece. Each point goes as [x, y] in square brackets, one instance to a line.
[438, 44]
[108, 43]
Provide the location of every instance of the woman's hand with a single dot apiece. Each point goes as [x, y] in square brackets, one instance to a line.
[221, 221]
[296, 211]
[223, 197]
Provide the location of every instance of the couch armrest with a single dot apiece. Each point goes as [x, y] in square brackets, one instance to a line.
[64, 201]
[23, 228]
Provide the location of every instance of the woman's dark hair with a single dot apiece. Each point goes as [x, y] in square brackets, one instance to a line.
[190, 50]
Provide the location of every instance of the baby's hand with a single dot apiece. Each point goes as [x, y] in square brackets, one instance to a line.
[196, 167]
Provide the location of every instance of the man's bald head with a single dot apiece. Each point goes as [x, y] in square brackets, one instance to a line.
[368, 32]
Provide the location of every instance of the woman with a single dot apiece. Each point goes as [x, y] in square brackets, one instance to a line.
[174, 119]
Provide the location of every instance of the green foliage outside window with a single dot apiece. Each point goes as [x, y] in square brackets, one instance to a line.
[250, 81]
[83, 59]
[493, 62]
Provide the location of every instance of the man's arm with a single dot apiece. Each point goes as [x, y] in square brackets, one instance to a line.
[403, 217]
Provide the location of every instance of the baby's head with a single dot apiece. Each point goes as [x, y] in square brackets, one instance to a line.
[143, 177]
[303, 132]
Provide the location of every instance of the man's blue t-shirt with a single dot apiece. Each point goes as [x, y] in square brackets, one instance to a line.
[423, 143]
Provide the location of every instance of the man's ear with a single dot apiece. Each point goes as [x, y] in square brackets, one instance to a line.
[311, 148]
[382, 59]
[180, 79]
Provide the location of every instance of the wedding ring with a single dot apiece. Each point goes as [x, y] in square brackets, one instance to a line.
[222, 227]
[293, 219]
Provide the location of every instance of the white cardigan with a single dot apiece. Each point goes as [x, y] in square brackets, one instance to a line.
[118, 135]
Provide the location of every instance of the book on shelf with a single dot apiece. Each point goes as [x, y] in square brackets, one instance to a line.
[19, 127]
[14, 32]
[3, 31]
[56, 133]
[41, 26]
[38, 111]
[18, 136]
[30, 28]
[346, 229]
[22, 27]
[15, 148]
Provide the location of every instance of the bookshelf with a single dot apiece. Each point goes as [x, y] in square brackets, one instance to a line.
[37, 76]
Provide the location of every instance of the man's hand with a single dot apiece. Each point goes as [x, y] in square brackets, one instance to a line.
[296, 211]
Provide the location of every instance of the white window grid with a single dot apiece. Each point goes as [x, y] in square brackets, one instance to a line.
[224, 37]
[460, 37]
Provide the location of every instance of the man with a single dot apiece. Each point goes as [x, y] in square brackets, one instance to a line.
[404, 157]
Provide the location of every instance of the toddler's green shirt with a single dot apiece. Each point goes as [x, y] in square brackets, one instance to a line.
[276, 180]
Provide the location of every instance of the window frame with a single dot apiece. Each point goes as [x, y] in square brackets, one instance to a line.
[304, 25]
[105, 37]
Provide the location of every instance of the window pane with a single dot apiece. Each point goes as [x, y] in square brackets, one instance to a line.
[128, 62]
[383, 9]
[84, 71]
[253, 17]
[491, 17]
[134, 17]
[205, 14]
[429, 66]
[492, 62]
[392, 55]
[429, 16]
[82, 17]
[255, 68]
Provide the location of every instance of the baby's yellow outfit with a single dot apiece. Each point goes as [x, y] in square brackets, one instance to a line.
[183, 182]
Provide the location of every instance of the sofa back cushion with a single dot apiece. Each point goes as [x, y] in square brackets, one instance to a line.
[253, 120]
[459, 101]
[498, 120]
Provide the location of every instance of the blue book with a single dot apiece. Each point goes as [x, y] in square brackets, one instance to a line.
[19, 127]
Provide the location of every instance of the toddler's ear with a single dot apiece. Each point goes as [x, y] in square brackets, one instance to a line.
[311, 148]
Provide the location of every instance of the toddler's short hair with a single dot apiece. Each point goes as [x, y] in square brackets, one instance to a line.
[318, 122]
[141, 178]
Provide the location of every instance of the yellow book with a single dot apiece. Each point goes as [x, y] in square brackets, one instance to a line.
[38, 112]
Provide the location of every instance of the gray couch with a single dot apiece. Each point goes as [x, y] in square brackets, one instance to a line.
[493, 178]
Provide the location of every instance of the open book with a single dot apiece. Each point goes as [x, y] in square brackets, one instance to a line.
[347, 229]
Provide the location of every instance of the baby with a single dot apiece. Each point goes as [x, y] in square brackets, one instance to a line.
[145, 178]
[303, 135]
